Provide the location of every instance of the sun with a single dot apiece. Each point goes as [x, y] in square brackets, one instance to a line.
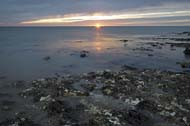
[98, 26]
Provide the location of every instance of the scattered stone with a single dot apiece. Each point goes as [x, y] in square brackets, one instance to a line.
[72, 100]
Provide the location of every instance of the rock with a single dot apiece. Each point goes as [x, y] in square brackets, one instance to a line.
[47, 98]
[136, 118]
[47, 58]
[124, 40]
[184, 45]
[150, 55]
[184, 33]
[184, 64]
[83, 54]
[147, 105]
[19, 120]
[89, 87]
[132, 102]
[143, 49]
[180, 39]
[187, 51]
[55, 107]
[107, 90]
[126, 67]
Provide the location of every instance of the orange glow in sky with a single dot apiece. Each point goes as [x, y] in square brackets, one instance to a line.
[98, 26]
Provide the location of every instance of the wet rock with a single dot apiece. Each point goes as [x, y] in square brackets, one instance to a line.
[150, 55]
[89, 87]
[107, 90]
[187, 51]
[66, 104]
[124, 40]
[143, 49]
[19, 120]
[136, 118]
[180, 39]
[107, 74]
[184, 45]
[147, 105]
[84, 54]
[47, 58]
[184, 64]
[184, 33]
[126, 67]
[55, 107]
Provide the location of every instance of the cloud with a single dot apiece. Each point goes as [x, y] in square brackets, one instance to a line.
[99, 16]
[16, 11]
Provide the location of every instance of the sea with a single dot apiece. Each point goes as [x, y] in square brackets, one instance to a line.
[28, 53]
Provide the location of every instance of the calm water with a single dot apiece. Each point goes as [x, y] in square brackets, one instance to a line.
[22, 50]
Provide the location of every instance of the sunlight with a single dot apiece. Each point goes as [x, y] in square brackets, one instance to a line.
[98, 26]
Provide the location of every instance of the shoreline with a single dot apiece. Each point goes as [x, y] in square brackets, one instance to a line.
[129, 96]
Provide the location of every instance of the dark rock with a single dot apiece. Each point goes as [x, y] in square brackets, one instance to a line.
[184, 45]
[136, 118]
[55, 107]
[184, 64]
[147, 105]
[150, 55]
[83, 53]
[126, 67]
[180, 39]
[143, 49]
[89, 87]
[47, 58]
[187, 51]
[186, 33]
[19, 120]
[124, 40]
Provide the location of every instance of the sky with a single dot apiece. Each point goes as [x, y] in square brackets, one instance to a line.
[92, 12]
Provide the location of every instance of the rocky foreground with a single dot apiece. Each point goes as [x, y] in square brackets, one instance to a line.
[129, 97]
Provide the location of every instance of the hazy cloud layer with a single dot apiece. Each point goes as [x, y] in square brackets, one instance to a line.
[15, 12]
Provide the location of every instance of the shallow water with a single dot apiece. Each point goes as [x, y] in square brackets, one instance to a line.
[22, 50]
